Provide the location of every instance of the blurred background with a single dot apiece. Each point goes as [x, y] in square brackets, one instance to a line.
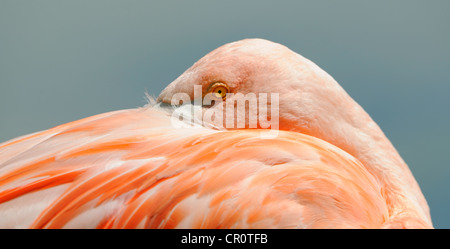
[65, 60]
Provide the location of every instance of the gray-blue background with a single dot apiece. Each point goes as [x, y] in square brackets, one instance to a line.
[64, 60]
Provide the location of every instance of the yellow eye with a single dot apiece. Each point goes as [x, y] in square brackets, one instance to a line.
[219, 90]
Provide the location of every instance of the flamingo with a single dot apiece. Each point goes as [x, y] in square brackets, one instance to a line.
[329, 165]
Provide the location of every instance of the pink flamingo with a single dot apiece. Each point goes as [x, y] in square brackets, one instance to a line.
[329, 166]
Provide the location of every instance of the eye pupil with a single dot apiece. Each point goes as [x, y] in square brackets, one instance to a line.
[219, 90]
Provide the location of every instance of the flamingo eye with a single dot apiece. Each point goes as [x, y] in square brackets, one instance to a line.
[219, 90]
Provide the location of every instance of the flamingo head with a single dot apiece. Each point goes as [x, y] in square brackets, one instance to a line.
[308, 99]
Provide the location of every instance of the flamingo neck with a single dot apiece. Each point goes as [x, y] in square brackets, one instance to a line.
[356, 133]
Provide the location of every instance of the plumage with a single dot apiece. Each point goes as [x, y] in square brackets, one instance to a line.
[329, 166]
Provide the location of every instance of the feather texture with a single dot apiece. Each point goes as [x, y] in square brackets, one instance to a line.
[180, 178]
